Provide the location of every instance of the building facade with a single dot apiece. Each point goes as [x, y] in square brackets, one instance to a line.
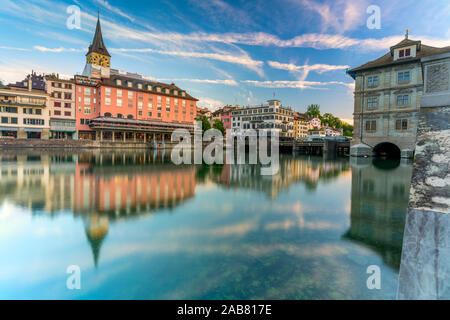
[61, 106]
[301, 125]
[23, 110]
[272, 116]
[387, 99]
[119, 106]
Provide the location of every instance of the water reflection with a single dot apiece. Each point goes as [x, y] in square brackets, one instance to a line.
[380, 192]
[158, 231]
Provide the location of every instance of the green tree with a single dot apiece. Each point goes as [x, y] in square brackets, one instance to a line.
[205, 123]
[328, 119]
[313, 111]
[218, 124]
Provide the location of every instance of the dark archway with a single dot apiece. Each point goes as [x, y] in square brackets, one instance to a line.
[387, 150]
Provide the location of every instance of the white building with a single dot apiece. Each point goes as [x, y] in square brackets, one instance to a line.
[272, 116]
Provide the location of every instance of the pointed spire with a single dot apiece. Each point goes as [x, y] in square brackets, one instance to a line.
[96, 228]
[98, 46]
[96, 245]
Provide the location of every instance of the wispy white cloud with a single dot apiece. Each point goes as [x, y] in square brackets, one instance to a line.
[319, 68]
[228, 82]
[304, 70]
[116, 10]
[338, 15]
[57, 50]
[211, 104]
[17, 72]
[299, 84]
[243, 59]
[14, 48]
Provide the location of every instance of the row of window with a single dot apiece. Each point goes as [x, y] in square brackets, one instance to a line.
[58, 104]
[59, 95]
[36, 122]
[60, 85]
[259, 118]
[148, 87]
[66, 113]
[121, 116]
[402, 100]
[7, 120]
[261, 110]
[32, 111]
[402, 77]
[401, 124]
[266, 126]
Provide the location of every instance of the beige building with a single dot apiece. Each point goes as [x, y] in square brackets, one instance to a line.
[23, 110]
[61, 105]
[301, 126]
[387, 99]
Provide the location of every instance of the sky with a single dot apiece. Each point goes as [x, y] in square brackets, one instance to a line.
[222, 52]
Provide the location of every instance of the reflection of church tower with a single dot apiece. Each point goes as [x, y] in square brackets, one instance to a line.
[96, 228]
[98, 59]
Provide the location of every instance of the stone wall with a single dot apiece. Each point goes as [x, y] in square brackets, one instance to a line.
[425, 265]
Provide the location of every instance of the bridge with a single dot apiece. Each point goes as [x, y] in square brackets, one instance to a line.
[318, 147]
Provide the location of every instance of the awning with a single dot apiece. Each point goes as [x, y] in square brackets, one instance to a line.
[62, 130]
[8, 129]
[33, 130]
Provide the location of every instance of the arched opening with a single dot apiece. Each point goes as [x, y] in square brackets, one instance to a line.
[108, 115]
[387, 150]
[130, 116]
[120, 116]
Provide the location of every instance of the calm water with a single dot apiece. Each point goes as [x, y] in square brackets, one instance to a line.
[140, 227]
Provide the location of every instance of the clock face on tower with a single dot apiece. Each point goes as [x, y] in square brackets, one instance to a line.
[98, 59]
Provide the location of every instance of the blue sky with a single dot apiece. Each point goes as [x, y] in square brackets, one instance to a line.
[222, 52]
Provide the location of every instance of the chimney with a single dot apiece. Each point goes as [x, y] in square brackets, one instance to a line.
[30, 84]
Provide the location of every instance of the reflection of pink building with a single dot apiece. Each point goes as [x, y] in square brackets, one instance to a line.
[155, 188]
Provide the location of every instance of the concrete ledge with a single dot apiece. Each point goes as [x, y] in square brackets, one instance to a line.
[69, 144]
[361, 150]
[437, 100]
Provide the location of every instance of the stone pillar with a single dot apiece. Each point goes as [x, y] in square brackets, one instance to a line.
[134, 136]
[145, 137]
[101, 135]
[113, 136]
[425, 264]
[124, 136]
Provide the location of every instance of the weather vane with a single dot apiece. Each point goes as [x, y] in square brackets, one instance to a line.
[406, 34]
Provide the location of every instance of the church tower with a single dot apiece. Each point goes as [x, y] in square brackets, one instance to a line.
[98, 59]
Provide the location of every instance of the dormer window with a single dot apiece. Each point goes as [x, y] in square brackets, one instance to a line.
[175, 92]
[167, 90]
[404, 53]
[149, 87]
[183, 93]
[118, 82]
[130, 84]
[139, 85]
[158, 89]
